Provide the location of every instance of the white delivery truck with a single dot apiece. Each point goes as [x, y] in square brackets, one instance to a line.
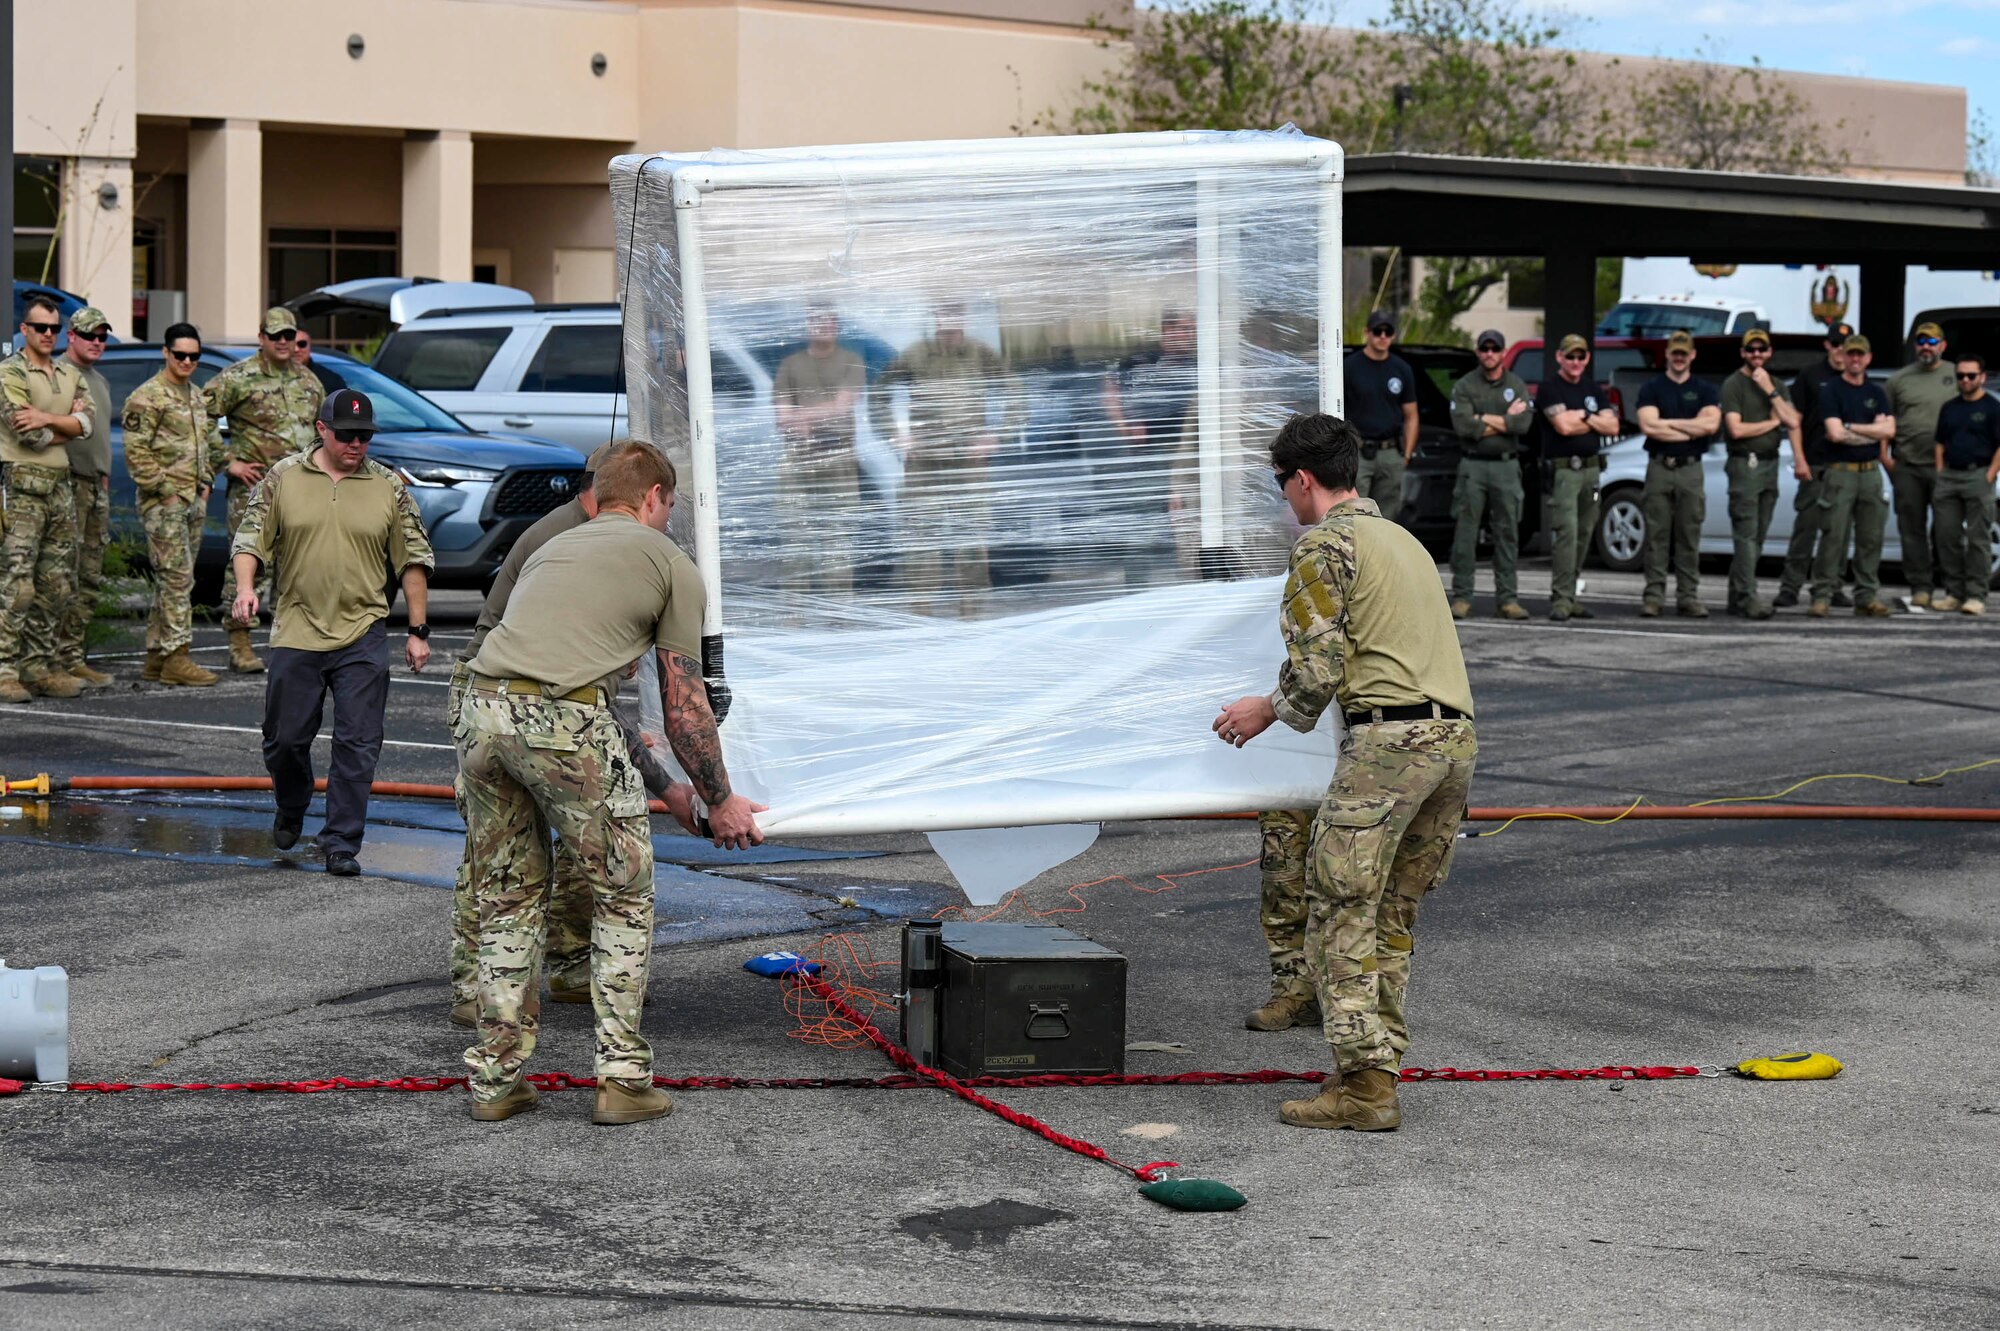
[1657, 296]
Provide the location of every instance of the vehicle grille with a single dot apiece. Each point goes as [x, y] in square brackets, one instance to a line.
[529, 494]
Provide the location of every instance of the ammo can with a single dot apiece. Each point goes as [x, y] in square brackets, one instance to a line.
[1017, 999]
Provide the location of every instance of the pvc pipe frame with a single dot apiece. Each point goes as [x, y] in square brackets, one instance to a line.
[1592, 812]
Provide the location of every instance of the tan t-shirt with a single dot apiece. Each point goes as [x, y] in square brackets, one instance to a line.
[591, 602]
[806, 380]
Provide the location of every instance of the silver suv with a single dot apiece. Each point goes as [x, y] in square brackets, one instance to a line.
[547, 370]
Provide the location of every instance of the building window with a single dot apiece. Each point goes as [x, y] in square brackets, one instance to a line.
[306, 258]
[38, 183]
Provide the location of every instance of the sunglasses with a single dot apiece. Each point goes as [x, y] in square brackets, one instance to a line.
[1966, 378]
[1576, 355]
[353, 436]
[185, 357]
[1382, 331]
[285, 336]
[1927, 341]
[46, 330]
[98, 336]
[1284, 478]
[1490, 346]
[1756, 349]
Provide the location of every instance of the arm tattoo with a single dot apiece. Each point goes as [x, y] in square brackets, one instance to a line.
[691, 727]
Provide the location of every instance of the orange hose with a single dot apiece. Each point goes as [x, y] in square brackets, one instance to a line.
[1621, 813]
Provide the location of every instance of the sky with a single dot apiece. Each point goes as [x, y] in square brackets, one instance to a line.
[1905, 40]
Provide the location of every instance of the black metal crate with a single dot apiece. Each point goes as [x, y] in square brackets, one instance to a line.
[1019, 999]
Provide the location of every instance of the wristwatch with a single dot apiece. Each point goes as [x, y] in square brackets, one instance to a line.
[421, 632]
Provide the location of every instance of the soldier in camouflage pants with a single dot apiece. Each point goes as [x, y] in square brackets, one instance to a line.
[1282, 867]
[529, 765]
[1383, 838]
[37, 567]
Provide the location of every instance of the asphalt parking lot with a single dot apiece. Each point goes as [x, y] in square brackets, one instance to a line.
[1868, 1199]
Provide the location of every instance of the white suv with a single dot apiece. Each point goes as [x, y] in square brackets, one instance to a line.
[547, 370]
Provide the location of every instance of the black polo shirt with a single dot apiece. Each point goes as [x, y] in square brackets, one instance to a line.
[1376, 391]
[1679, 402]
[1969, 431]
[1805, 397]
[1853, 404]
[1585, 395]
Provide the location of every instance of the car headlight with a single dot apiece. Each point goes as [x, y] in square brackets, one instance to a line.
[429, 475]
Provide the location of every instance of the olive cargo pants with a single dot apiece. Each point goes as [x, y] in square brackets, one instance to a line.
[1572, 524]
[1965, 508]
[1851, 503]
[1914, 484]
[1487, 488]
[1675, 505]
[1753, 497]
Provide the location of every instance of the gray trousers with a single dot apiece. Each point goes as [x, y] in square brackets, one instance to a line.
[295, 693]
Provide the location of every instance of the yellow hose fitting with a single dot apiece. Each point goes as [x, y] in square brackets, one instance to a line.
[37, 784]
[1791, 1067]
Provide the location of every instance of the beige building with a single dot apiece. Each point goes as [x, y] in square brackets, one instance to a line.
[223, 154]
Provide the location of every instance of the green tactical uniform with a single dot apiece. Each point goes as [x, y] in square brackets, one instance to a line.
[90, 497]
[1803, 549]
[819, 483]
[271, 413]
[1675, 501]
[1851, 500]
[1282, 873]
[1968, 434]
[1366, 626]
[539, 750]
[38, 551]
[1916, 395]
[945, 510]
[1752, 468]
[172, 450]
[1489, 481]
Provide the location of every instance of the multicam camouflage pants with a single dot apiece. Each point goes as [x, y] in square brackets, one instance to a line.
[1283, 869]
[1382, 838]
[819, 512]
[173, 538]
[239, 501]
[37, 565]
[528, 763]
[92, 502]
[569, 907]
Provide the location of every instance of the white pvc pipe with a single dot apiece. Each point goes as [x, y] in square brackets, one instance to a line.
[1208, 356]
[1061, 807]
[701, 403]
[1332, 384]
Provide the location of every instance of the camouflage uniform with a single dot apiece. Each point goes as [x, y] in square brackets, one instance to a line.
[531, 764]
[271, 414]
[38, 552]
[90, 497]
[172, 450]
[569, 909]
[1384, 834]
[1283, 871]
[945, 509]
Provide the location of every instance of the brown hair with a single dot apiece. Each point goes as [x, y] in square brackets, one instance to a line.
[629, 470]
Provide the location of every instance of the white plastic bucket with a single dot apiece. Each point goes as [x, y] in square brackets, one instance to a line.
[34, 1023]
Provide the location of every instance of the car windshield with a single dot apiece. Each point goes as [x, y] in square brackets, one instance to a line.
[1632, 319]
[397, 407]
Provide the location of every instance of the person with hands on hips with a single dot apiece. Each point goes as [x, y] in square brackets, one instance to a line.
[331, 520]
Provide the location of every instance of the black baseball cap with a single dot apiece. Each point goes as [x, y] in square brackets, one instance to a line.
[346, 409]
[1839, 332]
[1381, 319]
[1490, 339]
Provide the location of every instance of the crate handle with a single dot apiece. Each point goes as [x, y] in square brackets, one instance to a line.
[1048, 1023]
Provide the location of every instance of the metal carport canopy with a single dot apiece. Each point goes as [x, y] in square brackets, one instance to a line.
[1482, 205]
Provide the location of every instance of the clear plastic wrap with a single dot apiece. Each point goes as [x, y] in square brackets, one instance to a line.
[972, 440]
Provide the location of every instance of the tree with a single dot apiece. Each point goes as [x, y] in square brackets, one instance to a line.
[1207, 64]
[1702, 114]
[1981, 167]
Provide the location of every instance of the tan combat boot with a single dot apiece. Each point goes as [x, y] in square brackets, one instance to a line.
[52, 684]
[520, 1098]
[155, 658]
[1944, 603]
[179, 668]
[1283, 1012]
[1363, 1101]
[1460, 608]
[89, 676]
[11, 689]
[1973, 606]
[619, 1102]
[241, 659]
[466, 1013]
[1512, 610]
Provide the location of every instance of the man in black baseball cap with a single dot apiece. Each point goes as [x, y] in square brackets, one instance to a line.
[329, 632]
[1802, 553]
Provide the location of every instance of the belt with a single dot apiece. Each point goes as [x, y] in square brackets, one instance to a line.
[1423, 711]
[1489, 457]
[534, 688]
[1854, 466]
[1578, 463]
[1965, 466]
[1671, 463]
[1370, 447]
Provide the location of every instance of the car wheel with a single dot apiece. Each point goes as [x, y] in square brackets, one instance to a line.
[1621, 530]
